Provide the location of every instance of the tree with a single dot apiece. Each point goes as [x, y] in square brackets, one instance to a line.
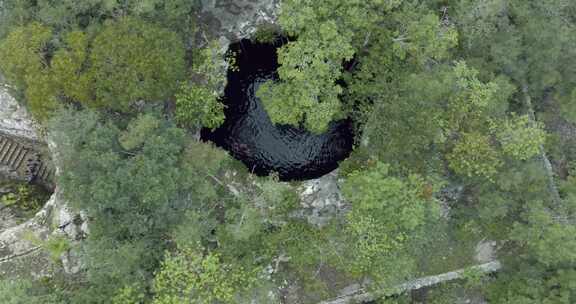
[387, 214]
[23, 61]
[313, 64]
[422, 113]
[191, 276]
[543, 270]
[197, 103]
[198, 106]
[66, 15]
[520, 139]
[23, 291]
[530, 42]
[68, 67]
[132, 60]
[136, 186]
[23, 52]
[474, 156]
[328, 34]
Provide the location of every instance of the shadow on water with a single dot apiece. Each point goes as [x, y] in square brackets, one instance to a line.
[250, 136]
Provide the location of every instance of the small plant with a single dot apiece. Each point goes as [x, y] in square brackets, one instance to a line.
[55, 245]
[267, 33]
[198, 106]
[24, 198]
[473, 278]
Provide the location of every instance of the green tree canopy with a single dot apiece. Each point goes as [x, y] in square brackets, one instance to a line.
[387, 214]
[129, 60]
[191, 276]
[132, 60]
[330, 33]
[137, 186]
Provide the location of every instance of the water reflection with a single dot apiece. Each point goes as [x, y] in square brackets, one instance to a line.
[250, 136]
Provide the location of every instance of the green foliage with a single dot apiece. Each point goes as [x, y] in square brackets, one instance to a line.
[129, 60]
[55, 245]
[387, 213]
[332, 32]
[68, 67]
[138, 131]
[532, 286]
[63, 15]
[15, 292]
[474, 156]
[136, 198]
[24, 292]
[473, 278]
[267, 33]
[189, 276]
[412, 116]
[549, 242]
[529, 42]
[543, 270]
[23, 62]
[423, 39]
[132, 60]
[568, 106]
[130, 294]
[430, 85]
[24, 197]
[198, 106]
[520, 138]
[21, 53]
[302, 66]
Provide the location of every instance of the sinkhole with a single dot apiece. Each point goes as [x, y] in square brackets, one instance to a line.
[251, 137]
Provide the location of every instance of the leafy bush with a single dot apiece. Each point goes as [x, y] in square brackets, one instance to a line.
[198, 106]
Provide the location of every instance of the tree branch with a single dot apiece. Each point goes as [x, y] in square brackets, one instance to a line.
[552, 188]
[361, 295]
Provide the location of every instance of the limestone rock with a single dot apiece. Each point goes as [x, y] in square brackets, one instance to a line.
[485, 251]
[238, 19]
[19, 255]
[21, 252]
[14, 119]
[321, 199]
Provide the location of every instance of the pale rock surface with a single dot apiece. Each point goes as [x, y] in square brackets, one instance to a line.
[238, 18]
[14, 119]
[321, 199]
[485, 251]
[19, 257]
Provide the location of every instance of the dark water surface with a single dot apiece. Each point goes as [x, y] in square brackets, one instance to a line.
[250, 136]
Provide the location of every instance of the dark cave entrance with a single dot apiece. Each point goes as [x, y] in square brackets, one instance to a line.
[250, 136]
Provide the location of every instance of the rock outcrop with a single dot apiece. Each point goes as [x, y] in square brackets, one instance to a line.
[22, 252]
[321, 199]
[14, 119]
[238, 19]
[22, 245]
[23, 248]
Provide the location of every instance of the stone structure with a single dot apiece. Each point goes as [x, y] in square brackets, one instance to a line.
[20, 160]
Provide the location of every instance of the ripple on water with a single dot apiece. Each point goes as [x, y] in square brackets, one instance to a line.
[250, 136]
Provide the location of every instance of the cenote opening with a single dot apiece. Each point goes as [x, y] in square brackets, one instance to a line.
[250, 136]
